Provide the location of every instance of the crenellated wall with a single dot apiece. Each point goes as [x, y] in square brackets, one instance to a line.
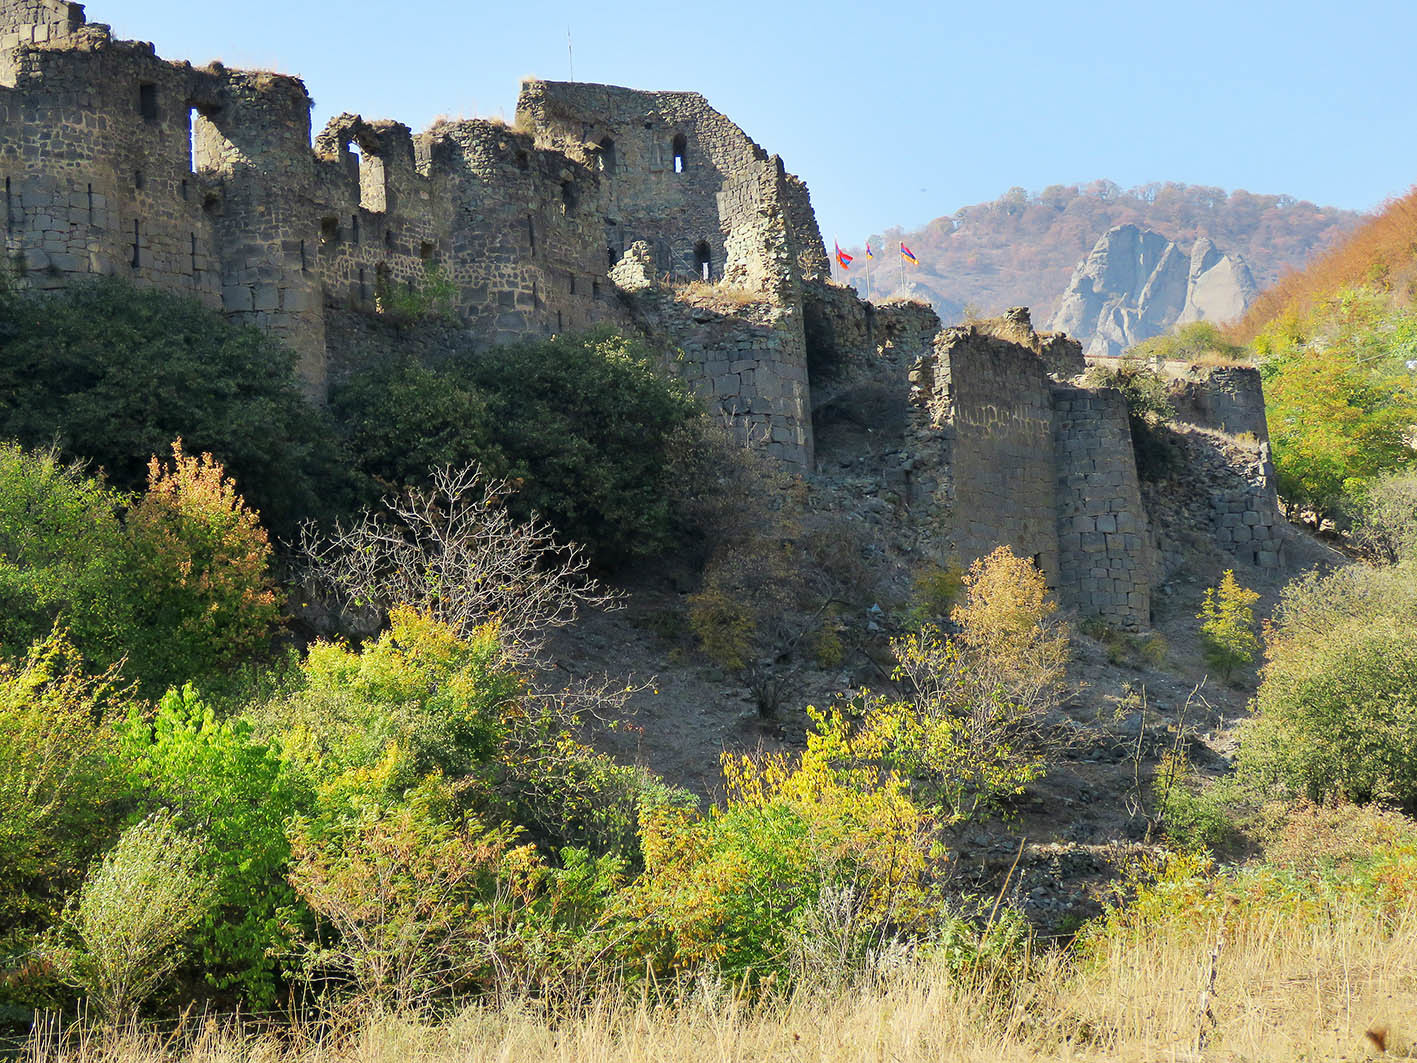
[206, 181]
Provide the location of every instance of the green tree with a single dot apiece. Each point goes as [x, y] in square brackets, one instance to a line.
[63, 554]
[114, 373]
[1339, 397]
[217, 777]
[61, 784]
[1228, 625]
[1336, 709]
[124, 933]
[585, 424]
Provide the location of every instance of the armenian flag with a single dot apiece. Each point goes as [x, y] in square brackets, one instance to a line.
[868, 250]
[842, 258]
[908, 255]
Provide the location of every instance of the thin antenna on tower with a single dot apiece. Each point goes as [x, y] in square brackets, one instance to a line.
[570, 53]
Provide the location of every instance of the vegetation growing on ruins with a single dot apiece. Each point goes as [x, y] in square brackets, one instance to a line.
[111, 375]
[585, 424]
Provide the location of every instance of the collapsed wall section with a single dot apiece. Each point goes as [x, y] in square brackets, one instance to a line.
[741, 354]
[1105, 554]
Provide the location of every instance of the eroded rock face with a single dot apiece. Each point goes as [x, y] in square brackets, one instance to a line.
[1136, 284]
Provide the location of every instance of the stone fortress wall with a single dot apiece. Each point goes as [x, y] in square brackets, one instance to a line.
[647, 210]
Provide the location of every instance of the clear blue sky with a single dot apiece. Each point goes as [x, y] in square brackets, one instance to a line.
[894, 113]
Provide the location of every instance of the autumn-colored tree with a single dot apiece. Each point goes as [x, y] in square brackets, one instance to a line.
[203, 595]
[1228, 625]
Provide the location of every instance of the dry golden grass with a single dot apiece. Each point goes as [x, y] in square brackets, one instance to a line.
[1383, 252]
[717, 296]
[1284, 989]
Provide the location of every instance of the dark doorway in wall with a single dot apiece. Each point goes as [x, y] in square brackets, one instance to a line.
[607, 155]
[681, 148]
[703, 261]
[329, 232]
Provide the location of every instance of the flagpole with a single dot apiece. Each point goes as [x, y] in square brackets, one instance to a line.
[868, 271]
[902, 269]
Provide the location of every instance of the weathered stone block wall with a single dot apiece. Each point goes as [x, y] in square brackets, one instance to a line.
[1218, 497]
[1227, 398]
[664, 158]
[1105, 557]
[741, 354]
[997, 398]
[94, 156]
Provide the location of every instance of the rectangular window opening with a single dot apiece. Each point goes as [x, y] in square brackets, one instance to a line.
[194, 254]
[137, 244]
[147, 101]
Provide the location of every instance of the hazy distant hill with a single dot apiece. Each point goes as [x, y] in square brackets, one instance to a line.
[1021, 249]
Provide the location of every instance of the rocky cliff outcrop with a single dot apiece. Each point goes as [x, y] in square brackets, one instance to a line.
[1136, 284]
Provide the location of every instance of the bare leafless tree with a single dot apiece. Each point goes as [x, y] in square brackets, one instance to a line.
[452, 550]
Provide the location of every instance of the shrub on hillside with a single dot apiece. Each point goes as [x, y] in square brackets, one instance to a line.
[125, 931]
[1228, 625]
[745, 888]
[174, 583]
[1384, 518]
[201, 594]
[114, 373]
[62, 790]
[582, 423]
[1200, 342]
[216, 777]
[1337, 704]
[419, 700]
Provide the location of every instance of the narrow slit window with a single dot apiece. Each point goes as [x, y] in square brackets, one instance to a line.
[138, 180]
[184, 188]
[147, 101]
[304, 262]
[531, 234]
[9, 215]
[194, 254]
[354, 228]
[573, 284]
[7, 191]
[681, 148]
[137, 243]
[595, 290]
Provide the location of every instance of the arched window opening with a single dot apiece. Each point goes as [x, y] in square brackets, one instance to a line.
[607, 156]
[681, 148]
[703, 260]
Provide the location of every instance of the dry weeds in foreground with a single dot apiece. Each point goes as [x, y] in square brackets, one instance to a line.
[1284, 990]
